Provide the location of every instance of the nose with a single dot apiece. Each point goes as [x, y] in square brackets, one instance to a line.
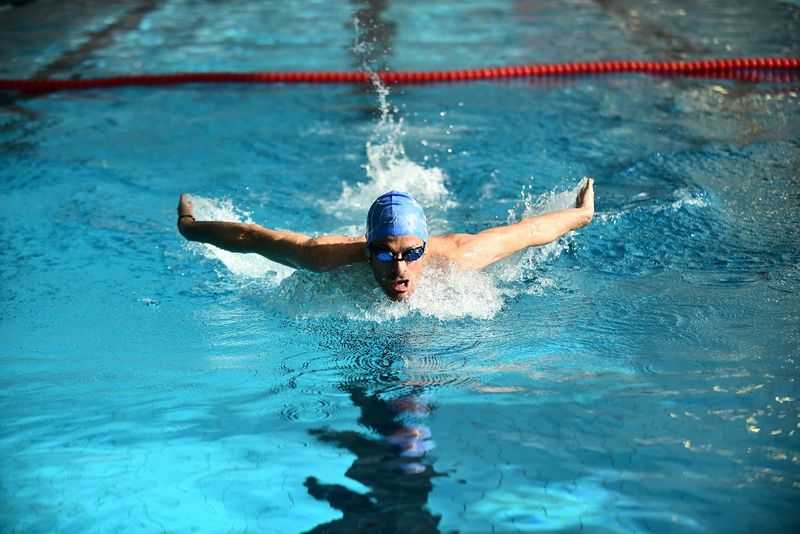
[398, 266]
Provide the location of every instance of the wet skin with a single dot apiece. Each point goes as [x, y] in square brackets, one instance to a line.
[397, 278]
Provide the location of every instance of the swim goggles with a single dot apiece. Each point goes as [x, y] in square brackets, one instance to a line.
[412, 254]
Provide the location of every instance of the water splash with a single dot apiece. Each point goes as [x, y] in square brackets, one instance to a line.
[443, 293]
[529, 206]
[515, 268]
[685, 197]
[452, 293]
[251, 266]
[388, 166]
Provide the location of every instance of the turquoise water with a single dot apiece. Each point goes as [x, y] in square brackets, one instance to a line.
[638, 375]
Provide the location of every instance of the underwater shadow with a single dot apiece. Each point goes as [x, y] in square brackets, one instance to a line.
[391, 465]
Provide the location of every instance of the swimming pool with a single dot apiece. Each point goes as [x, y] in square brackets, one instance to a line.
[639, 375]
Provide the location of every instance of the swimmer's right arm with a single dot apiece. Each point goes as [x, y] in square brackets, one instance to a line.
[292, 249]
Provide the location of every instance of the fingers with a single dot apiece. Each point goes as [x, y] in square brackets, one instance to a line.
[588, 197]
[185, 206]
[586, 194]
[581, 193]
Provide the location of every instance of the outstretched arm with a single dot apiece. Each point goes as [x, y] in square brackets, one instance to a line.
[485, 248]
[288, 248]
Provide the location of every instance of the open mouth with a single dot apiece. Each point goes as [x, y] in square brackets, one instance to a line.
[400, 286]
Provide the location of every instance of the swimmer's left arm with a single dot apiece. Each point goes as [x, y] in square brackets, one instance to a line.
[489, 246]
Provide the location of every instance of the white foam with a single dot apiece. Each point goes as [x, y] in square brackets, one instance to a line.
[452, 293]
[684, 197]
[528, 206]
[443, 293]
[243, 265]
[388, 167]
[514, 268]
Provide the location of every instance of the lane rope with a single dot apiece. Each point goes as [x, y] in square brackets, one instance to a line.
[768, 70]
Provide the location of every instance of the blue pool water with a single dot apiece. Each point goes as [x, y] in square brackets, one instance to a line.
[639, 375]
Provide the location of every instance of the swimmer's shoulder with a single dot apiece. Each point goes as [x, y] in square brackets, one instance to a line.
[447, 247]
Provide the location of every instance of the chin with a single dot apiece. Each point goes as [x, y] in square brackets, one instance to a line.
[398, 297]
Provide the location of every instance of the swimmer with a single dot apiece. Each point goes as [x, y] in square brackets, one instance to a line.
[396, 244]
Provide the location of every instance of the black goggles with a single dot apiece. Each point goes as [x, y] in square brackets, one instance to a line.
[412, 254]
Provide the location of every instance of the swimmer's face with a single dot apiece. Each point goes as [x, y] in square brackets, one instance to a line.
[397, 278]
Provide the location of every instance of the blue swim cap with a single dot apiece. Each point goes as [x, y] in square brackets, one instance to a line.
[395, 213]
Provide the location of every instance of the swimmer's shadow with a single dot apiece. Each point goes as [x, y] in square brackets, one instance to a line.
[397, 500]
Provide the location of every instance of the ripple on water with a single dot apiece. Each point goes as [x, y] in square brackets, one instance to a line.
[107, 376]
[783, 285]
[688, 229]
[634, 315]
[436, 370]
[411, 353]
[308, 372]
[715, 278]
[408, 368]
[311, 410]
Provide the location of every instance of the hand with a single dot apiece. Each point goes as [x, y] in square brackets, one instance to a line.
[585, 202]
[585, 198]
[185, 211]
[185, 206]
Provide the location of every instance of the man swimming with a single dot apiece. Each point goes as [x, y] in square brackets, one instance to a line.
[396, 245]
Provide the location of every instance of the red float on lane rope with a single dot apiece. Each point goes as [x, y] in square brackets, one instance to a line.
[778, 70]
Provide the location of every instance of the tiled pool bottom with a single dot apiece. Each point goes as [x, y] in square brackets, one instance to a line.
[639, 375]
